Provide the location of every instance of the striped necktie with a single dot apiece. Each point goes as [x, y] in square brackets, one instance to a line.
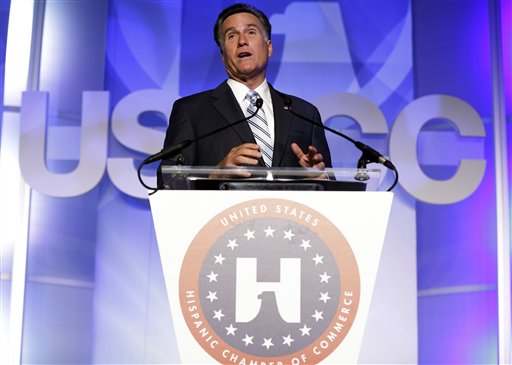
[259, 127]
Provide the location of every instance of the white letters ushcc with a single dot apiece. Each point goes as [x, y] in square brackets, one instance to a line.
[93, 159]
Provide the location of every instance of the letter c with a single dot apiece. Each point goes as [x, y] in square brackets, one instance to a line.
[403, 151]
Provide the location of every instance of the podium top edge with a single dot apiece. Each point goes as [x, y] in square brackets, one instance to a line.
[276, 170]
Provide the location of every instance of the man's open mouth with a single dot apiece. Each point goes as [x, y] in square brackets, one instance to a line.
[244, 54]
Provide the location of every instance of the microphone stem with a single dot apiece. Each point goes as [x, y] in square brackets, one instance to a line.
[174, 150]
[323, 126]
[258, 107]
[368, 153]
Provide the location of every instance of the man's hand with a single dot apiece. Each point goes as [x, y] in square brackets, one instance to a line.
[246, 154]
[311, 159]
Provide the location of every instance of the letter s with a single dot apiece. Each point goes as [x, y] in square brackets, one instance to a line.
[130, 133]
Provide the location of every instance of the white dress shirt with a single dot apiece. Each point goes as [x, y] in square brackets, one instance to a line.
[240, 91]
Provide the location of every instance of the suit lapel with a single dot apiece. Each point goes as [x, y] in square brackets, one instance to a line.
[229, 108]
[283, 124]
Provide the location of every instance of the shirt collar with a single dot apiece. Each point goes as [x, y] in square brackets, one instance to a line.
[240, 90]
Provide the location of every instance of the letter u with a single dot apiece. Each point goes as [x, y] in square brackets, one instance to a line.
[93, 145]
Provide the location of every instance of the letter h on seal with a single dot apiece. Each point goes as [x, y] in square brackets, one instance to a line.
[253, 297]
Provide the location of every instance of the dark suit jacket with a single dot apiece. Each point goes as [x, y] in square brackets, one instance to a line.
[199, 114]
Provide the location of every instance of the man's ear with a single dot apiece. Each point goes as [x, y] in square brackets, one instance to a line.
[222, 56]
[269, 47]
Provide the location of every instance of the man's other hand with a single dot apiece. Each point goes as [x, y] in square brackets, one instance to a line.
[310, 159]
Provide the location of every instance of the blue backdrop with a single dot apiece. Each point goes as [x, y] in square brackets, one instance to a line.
[95, 290]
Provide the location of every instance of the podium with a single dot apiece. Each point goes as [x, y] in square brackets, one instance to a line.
[276, 267]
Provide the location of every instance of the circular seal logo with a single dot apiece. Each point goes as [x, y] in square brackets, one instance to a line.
[269, 280]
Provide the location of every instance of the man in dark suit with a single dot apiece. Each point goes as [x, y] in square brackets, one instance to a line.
[275, 137]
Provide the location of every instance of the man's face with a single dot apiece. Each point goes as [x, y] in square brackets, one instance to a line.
[245, 48]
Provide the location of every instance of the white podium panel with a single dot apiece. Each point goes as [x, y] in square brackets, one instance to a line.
[270, 277]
